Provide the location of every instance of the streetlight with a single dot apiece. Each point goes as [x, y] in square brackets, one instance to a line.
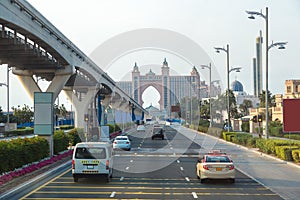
[210, 110]
[281, 46]
[218, 50]
[7, 85]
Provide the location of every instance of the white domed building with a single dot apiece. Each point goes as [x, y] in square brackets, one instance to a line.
[238, 91]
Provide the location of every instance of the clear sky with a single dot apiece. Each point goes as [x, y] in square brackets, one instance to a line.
[208, 23]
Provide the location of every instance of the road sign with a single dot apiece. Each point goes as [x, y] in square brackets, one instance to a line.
[291, 115]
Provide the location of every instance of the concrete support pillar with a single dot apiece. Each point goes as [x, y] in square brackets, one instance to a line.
[29, 85]
[81, 107]
[56, 85]
[107, 100]
[59, 81]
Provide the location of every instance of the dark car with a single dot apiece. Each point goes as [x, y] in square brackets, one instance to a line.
[157, 132]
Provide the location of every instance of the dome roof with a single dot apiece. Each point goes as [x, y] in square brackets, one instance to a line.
[237, 86]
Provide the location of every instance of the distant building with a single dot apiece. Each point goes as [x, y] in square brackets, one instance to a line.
[292, 91]
[155, 113]
[257, 67]
[172, 89]
[238, 91]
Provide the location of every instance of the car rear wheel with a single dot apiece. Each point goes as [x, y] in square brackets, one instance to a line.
[108, 178]
[202, 180]
[75, 179]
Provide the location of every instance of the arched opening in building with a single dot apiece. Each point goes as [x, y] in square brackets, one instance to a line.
[151, 97]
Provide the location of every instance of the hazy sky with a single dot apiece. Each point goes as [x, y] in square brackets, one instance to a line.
[208, 23]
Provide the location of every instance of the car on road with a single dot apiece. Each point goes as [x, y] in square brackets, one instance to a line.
[157, 132]
[92, 159]
[140, 128]
[122, 142]
[215, 165]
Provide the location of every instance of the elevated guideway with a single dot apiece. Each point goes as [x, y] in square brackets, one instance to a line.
[36, 49]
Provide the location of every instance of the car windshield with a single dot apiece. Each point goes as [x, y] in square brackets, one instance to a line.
[157, 130]
[90, 153]
[217, 159]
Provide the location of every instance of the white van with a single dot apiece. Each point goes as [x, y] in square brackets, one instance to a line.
[92, 159]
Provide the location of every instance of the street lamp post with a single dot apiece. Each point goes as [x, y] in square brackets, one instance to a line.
[281, 46]
[210, 105]
[218, 49]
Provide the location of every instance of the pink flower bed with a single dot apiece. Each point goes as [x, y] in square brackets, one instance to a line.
[32, 167]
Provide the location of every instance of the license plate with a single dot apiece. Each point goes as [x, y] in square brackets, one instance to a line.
[90, 167]
[219, 169]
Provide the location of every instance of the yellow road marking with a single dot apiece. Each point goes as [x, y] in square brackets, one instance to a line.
[33, 191]
[148, 188]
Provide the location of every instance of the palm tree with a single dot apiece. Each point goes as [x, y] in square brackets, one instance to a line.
[244, 107]
[262, 99]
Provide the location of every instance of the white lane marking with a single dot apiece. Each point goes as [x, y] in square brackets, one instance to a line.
[139, 147]
[112, 195]
[187, 179]
[171, 147]
[131, 160]
[127, 168]
[194, 195]
[122, 178]
[181, 168]
[178, 161]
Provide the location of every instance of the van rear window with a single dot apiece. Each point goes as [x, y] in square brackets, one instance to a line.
[90, 153]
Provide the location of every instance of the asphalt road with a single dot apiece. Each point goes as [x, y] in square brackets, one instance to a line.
[153, 169]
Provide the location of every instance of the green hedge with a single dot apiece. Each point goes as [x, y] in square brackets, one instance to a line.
[203, 129]
[18, 152]
[296, 155]
[61, 141]
[243, 139]
[113, 128]
[292, 136]
[228, 135]
[73, 137]
[19, 132]
[214, 131]
[285, 152]
[268, 146]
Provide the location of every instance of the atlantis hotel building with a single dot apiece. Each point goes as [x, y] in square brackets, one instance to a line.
[172, 89]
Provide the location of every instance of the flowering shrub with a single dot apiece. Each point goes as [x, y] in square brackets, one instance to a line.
[18, 152]
[32, 167]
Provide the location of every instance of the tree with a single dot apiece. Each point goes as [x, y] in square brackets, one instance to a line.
[262, 99]
[244, 107]
[233, 107]
[2, 117]
[22, 115]
[205, 110]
